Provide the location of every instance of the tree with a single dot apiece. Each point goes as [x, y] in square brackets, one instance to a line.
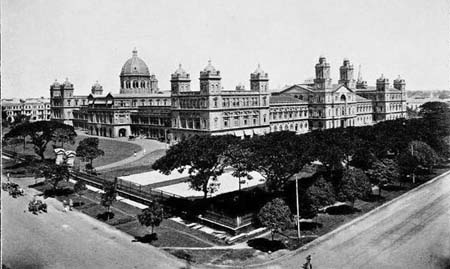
[88, 150]
[417, 154]
[383, 171]
[64, 135]
[40, 132]
[152, 215]
[320, 194]
[79, 187]
[237, 156]
[53, 173]
[109, 195]
[353, 185]
[275, 215]
[202, 156]
[4, 117]
[278, 156]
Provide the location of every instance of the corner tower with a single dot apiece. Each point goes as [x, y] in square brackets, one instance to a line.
[97, 89]
[180, 81]
[346, 74]
[259, 80]
[322, 80]
[210, 80]
[382, 83]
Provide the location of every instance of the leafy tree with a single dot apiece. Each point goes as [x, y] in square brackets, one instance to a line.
[40, 133]
[423, 154]
[202, 156]
[275, 215]
[353, 185]
[53, 173]
[109, 195]
[321, 193]
[79, 187]
[363, 158]
[237, 156]
[383, 171]
[436, 117]
[20, 118]
[152, 215]
[278, 156]
[64, 135]
[88, 150]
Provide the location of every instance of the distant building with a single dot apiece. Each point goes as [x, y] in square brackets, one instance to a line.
[350, 102]
[35, 108]
[142, 109]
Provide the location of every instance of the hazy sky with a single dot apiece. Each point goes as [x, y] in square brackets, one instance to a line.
[91, 40]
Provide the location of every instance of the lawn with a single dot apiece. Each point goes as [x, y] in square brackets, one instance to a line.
[114, 150]
[141, 165]
[168, 234]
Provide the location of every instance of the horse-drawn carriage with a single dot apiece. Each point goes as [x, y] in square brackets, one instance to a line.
[36, 206]
[13, 189]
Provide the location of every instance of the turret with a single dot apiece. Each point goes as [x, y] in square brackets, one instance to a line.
[67, 89]
[180, 81]
[97, 89]
[399, 84]
[322, 80]
[346, 74]
[210, 80]
[259, 80]
[382, 83]
[55, 90]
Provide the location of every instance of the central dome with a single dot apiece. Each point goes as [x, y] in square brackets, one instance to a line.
[135, 66]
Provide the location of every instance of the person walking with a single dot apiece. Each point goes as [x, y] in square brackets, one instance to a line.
[308, 264]
[70, 204]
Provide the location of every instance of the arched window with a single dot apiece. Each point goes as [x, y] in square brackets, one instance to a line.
[142, 84]
[343, 98]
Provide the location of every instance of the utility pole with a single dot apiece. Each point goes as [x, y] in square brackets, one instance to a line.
[298, 214]
[413, 174]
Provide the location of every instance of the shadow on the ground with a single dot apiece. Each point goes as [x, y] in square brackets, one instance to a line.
[58, 192]
[342, 210]
[147, 239]
[393, 187]
[310, 225]
[105, 216]
[266, 245]
[374, 198]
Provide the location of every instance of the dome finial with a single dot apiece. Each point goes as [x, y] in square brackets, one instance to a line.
[135, 52]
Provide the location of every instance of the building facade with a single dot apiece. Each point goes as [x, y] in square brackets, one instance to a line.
[35, 108]
[142, 109]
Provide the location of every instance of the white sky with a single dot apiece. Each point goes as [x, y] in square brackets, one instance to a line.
[90, 40]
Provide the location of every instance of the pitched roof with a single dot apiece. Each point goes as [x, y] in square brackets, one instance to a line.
[284, 99]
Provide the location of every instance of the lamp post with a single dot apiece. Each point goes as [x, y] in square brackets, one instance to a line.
[413, 174]
[298, 214]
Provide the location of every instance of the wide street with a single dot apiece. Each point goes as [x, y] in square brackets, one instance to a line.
[69, 240]
[412, 232]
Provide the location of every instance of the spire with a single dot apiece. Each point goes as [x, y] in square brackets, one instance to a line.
[359, 73]
[134, 52]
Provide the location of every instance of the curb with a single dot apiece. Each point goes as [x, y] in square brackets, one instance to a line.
[339, 229]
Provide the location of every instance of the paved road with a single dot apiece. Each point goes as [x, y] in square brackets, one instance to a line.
[69, 240]
[412, 232]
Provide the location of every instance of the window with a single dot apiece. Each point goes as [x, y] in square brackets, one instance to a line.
[225, 122]
[236, 121]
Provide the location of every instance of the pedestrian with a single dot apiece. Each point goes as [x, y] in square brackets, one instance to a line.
[144, 152]
[308, 264]
[135, 154]
[70, 204]
[7, 176]
[65, 205]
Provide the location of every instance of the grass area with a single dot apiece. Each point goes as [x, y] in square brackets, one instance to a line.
[114, 150]
[168, 234]
[141, 165]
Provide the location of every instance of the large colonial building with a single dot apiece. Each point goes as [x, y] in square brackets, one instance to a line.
[142, 109]
[35, 108]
